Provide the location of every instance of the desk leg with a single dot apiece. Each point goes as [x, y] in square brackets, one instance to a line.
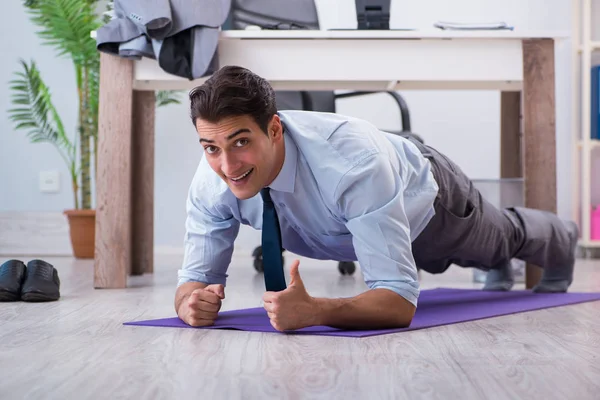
[113, 177]
[142, 173]
[539, 132]
[511, 160]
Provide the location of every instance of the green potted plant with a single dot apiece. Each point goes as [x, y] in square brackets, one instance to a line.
[66, 25]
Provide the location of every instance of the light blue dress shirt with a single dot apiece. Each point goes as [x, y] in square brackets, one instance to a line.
[346, 192]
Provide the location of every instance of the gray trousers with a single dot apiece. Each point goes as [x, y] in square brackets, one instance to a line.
[469, 231]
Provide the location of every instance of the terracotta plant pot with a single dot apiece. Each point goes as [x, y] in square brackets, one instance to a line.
[82, 228]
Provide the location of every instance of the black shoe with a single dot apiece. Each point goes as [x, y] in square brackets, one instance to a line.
[41, 282]
[12, 274]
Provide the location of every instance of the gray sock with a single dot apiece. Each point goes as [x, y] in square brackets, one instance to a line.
[500, 279]
[558, 278]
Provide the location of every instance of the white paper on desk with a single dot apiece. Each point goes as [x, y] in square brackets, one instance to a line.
[472, 25]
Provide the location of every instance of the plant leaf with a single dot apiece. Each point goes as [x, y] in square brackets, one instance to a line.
[166, 97]
[66, 25]
[39, 117]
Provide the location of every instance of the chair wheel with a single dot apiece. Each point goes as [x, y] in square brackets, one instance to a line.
[258, 264]
[346, 267]
[258, 259]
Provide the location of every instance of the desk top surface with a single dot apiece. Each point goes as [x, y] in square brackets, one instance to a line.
[388, 34]
[392, 34]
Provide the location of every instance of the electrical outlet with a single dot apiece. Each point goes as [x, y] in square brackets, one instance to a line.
[49, 182]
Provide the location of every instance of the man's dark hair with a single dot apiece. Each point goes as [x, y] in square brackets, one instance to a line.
[230, 92]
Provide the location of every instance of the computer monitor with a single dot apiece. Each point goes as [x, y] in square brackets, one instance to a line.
[373, 14]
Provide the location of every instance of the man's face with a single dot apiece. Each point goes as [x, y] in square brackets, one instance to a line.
[241, 153]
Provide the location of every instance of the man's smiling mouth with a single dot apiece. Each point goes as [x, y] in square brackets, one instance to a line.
[245, 174]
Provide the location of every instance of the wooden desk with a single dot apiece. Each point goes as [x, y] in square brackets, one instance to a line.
[520, 65]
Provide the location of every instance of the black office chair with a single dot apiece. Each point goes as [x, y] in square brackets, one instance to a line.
[301, 14]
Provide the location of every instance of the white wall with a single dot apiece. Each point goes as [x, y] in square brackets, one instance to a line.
[455, 122]
[20, 162]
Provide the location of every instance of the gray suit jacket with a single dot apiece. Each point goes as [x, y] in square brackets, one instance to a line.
[181, 34]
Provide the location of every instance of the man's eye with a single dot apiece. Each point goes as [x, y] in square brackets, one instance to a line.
[241, 142]
[210, 149]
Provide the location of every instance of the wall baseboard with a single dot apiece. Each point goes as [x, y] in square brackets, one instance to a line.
[47, 234]
[34, 233]
[44, 234]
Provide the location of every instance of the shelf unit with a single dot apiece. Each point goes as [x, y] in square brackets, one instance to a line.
[583, 148]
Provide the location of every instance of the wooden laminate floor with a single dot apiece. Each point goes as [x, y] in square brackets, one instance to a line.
[77, 348]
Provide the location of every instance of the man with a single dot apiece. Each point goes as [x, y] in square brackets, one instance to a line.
[341, 189]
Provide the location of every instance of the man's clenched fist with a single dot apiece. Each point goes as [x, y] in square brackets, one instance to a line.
[202, 306]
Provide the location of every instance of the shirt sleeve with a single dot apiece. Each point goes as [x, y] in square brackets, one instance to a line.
[210, 233]
[371, 198]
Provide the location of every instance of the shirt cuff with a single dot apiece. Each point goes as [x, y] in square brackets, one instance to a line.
[186, 275]
[410, 291]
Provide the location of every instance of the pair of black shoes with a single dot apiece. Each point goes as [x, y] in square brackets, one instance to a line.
[37, 281]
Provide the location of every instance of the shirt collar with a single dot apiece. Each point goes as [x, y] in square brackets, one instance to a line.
[284, 182]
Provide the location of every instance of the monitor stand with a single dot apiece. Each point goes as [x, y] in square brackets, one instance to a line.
[373, 14]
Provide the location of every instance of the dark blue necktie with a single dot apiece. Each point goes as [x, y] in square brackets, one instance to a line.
[271, 245]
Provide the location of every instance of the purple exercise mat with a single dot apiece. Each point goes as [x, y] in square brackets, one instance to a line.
[436, 307]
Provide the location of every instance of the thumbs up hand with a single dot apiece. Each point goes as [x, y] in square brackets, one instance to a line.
[292, 308]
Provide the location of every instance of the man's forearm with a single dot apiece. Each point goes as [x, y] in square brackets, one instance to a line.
[374, 309]
[184, 291]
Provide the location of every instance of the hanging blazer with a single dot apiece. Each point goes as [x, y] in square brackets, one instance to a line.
[182, 35]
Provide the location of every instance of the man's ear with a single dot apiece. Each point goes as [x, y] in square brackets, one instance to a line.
[275, 128]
